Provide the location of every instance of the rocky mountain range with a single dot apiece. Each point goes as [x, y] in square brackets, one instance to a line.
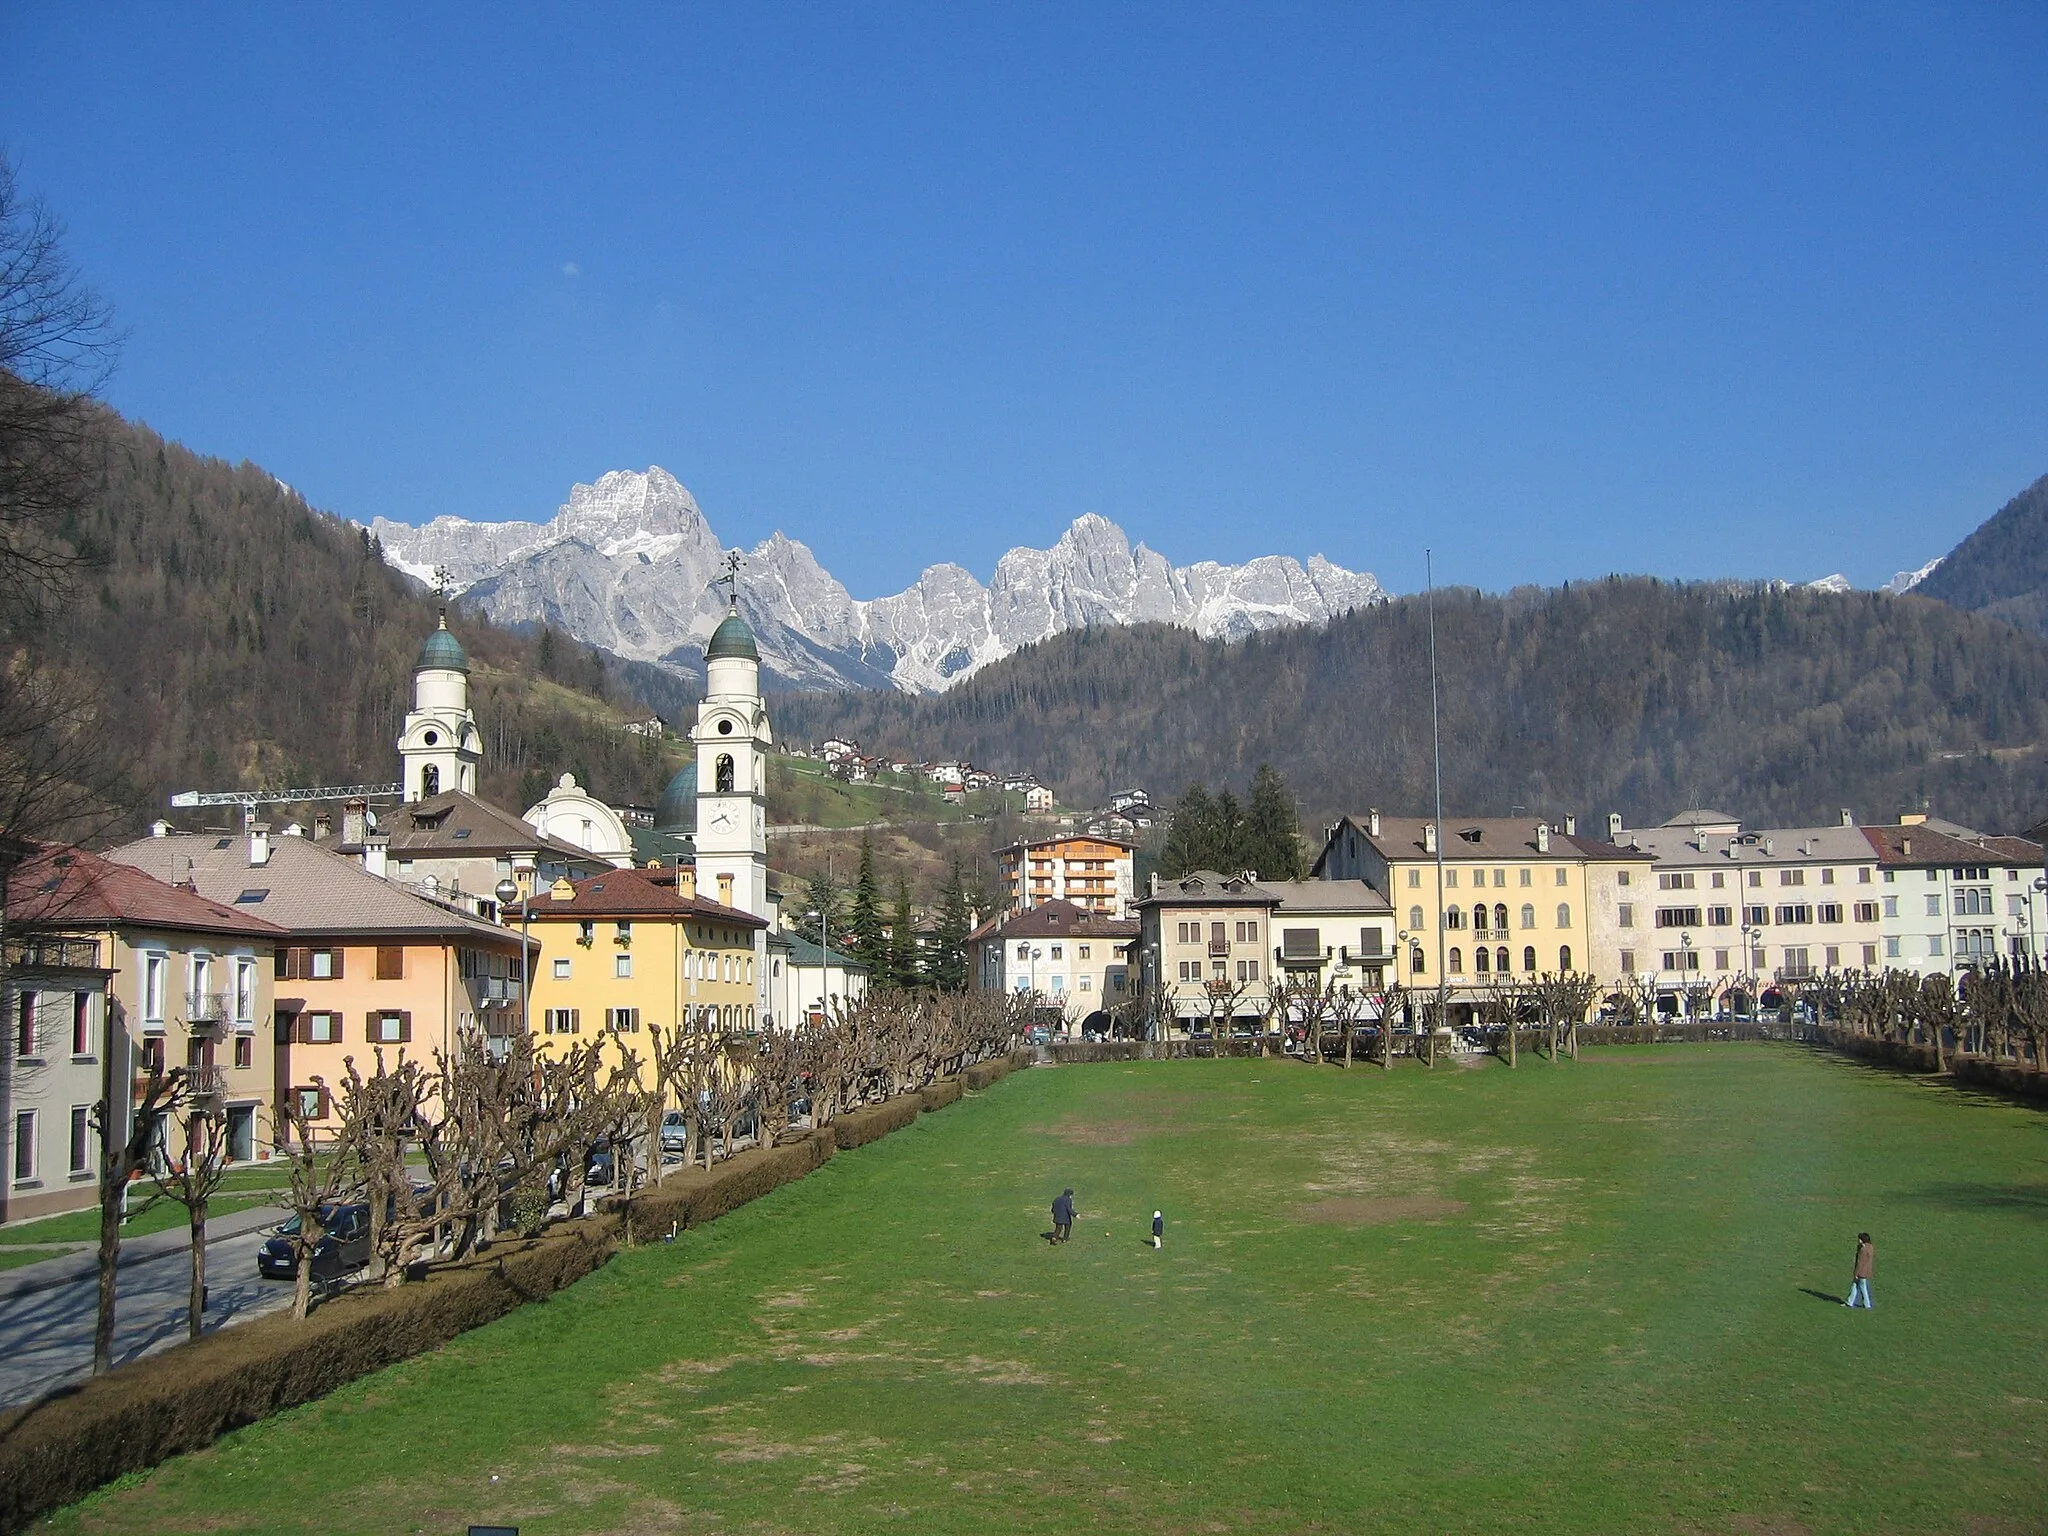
[630, 564]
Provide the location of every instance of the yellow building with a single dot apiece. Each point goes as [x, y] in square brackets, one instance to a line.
[634, 947]
[1514, 895]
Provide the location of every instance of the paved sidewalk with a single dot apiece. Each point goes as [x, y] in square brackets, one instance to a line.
[83, 1263]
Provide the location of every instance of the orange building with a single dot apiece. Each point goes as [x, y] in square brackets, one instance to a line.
[1094, 873]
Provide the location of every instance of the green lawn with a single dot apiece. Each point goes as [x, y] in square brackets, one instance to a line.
[1592, 1297]
[84, 1226]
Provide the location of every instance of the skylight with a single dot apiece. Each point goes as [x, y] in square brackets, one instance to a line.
[250, 897]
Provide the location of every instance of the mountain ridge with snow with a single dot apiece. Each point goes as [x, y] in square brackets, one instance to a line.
[630, 563]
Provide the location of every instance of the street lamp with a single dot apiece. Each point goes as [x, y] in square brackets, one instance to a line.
[825, 971]
[1684, 985]
[508, 892]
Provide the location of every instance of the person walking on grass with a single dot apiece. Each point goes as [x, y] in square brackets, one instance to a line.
[1063, 1216]
[1859, 1281]
[1158, 1228]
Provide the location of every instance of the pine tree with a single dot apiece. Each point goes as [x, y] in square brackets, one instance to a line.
[870, 946]
[948, 963]
[1190, 833]
[1272, 828]
[1229, 836]
[902, 939]
[825, 896]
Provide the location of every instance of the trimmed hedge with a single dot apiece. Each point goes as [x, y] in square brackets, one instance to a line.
[938, 1095]
[862, 1126]
[57, 1451]
[185, 1398]
[693, 1196]
[2011, 1078]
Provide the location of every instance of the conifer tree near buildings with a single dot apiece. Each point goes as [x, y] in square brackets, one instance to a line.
[868, 943]
[902, 938]
[1206, 832]
[947, 964]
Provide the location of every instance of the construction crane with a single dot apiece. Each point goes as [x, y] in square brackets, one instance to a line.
[249, 799]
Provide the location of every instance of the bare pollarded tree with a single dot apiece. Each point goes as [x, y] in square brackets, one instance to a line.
[191, 1175]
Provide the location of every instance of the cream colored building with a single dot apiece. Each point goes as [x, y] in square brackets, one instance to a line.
[1509, 895]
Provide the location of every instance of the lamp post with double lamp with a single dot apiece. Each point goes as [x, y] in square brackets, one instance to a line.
[507, 893]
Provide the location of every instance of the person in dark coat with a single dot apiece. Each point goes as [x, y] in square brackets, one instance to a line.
[1063, 1216]
[1158, 1228]
[1859, 1280]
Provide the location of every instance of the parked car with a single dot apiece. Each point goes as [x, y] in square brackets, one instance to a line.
[675, 1133]
[344, 1246]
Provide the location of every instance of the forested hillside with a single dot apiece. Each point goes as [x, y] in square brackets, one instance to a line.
[2002, 568]
[247, 640]
[1622, 694]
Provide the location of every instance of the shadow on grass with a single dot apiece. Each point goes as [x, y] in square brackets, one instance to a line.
[1808, 1290]
[2026, 1199]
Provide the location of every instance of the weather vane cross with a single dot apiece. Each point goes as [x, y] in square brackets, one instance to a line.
[731, 578]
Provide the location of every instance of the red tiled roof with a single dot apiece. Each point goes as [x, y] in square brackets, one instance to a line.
[1932, 847]
[637, 893]
[70, 887]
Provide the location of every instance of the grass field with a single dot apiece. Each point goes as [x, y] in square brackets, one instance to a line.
[1592, 1297]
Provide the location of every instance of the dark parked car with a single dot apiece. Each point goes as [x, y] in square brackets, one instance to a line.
[343, 1249]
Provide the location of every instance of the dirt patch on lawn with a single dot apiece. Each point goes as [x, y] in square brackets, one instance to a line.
[1098, 1133]
[1372, 1213]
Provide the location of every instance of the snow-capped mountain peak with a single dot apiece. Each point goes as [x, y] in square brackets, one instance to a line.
[629, 562]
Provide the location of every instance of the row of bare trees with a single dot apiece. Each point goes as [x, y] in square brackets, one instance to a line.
[1997, 1010]
[446, 1153]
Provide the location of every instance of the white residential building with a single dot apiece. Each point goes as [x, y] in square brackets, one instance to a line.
[1952, 898]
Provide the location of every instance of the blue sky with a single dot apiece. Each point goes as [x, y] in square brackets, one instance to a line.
[1558, 291]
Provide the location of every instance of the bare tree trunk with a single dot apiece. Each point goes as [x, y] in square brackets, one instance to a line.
[195, 1308]
[302, 1285]
[110, 1260]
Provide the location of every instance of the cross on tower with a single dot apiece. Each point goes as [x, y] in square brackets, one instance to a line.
[731, 578]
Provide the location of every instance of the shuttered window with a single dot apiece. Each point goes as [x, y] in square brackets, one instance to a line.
[391, 962]
[1300, 943]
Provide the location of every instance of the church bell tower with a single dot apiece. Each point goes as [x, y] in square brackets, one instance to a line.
[440, 746]
[732, 740]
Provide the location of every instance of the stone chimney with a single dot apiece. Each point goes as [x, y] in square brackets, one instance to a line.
[355, 822]
[1155, 882]
[1429, 837]
[1571, 826]
[1543, 837]
[1848, 817]
[1372, 821]
[1614, 827]
[1906, 846]
[377, 854]
[323, 825]
[686, 881]
[159, 829]
[259, 844]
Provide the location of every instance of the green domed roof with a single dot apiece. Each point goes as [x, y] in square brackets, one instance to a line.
[731, 639]
[678, 809]
[443, 650]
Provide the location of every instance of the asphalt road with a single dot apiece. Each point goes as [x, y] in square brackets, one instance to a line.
[46, 1335]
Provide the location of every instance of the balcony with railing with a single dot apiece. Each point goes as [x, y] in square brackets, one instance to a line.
[1219, 948]
[208, 1010]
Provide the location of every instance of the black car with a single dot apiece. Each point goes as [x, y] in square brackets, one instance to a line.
[343, 1247]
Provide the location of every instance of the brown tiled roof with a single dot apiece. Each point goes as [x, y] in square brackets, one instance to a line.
[62, 887]
[1936, 848]
[459, 822]
[307, 888]
[1481, 837]
[1207, 888]
[1057, 919]
[1325, 896]
[636, 893]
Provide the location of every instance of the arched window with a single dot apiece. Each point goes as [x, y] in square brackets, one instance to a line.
[430, 781]
[1528, 915]
[723, 773]
[1479, 916]
[1454, 917]
[1457, 961]
[1564, 957]
[1529, 957]
[1479, 959]
[1500, 959]
[1500, 919]
[1564, 914]
[1415, 919]
[1416, 964]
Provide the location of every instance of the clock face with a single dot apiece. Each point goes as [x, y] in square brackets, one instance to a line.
[721, 817]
